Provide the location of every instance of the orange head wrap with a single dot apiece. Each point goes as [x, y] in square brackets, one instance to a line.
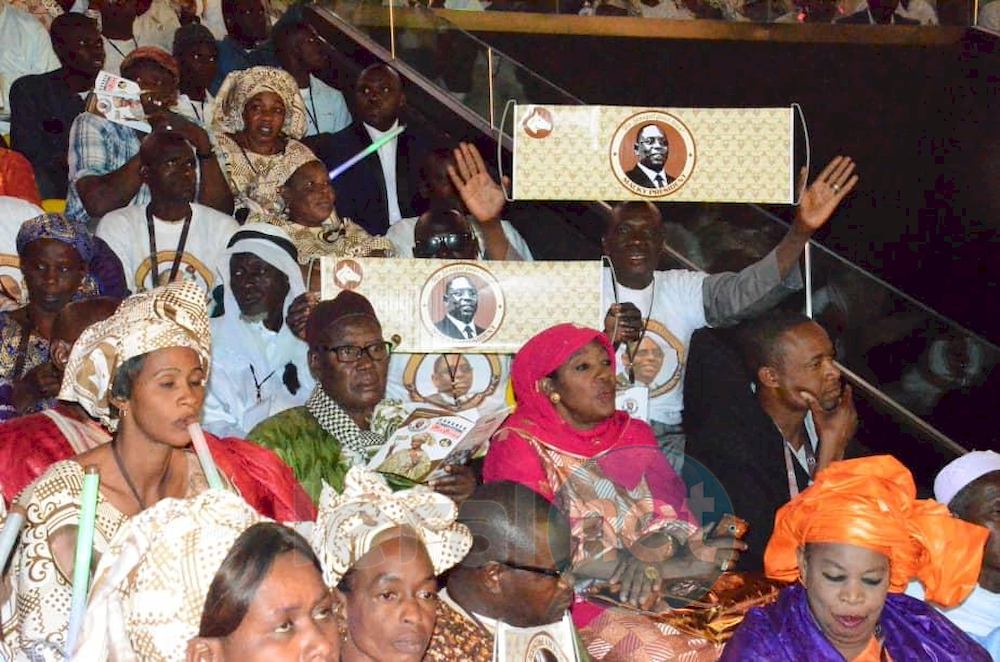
[871, 502]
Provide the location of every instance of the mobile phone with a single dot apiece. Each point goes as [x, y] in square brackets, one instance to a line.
[730, 526]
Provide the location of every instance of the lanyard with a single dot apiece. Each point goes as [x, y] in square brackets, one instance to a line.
[154, 269]
[258, 385]
[195, 108]
[314, 116]
[793, 483]
[630, 353]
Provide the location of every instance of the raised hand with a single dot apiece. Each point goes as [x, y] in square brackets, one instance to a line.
[835, 427]
[482, 196]
[823, 196]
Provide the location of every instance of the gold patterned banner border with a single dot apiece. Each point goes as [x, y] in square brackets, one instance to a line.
[613, 153]
[431, 306]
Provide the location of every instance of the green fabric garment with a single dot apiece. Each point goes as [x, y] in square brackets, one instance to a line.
[312, 453]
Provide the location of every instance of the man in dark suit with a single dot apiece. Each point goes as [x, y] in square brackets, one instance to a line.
[461, 300]
[764, 447]
[380, 189]
[651, 150]
[878, 12]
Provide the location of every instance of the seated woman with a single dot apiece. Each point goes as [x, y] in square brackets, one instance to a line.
[347, 418]
[626, 505]
[141, 372]
[205, 579]
[310, 219]
[853, 540]
[383, 551]
[56, 257]
[259, 118]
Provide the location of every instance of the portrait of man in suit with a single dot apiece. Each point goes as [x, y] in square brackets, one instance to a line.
[651, 151]
[461, 301]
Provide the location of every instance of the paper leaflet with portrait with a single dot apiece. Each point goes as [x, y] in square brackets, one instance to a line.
[655, 154]
[118, 100]
[425, 443]
[555, 642]
[473, 307]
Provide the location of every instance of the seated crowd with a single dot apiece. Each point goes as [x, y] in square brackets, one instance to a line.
[179, 289]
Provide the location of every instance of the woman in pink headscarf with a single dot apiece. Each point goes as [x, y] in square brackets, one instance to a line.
[631, 525]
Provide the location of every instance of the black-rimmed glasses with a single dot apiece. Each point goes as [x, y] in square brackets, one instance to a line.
[554, 573]
[454, 241]
[376, 351]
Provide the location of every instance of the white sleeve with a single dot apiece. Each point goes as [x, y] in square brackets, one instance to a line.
[517, 243]
[400, 234]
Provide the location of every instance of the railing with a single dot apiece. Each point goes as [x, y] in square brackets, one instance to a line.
[926, 369]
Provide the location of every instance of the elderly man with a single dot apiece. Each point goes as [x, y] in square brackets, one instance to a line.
[346, 418]
[673, 304]
[765, 442]
[651, 151]
[515, 575]
[378, 191]
[970, 487]
[461, 301]
[172, 237]
[259, 366]
[104, 163]
[43, 106]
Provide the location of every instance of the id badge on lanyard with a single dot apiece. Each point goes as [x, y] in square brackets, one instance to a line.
[634, 401]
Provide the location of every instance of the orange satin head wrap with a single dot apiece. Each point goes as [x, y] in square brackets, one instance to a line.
[871, 502]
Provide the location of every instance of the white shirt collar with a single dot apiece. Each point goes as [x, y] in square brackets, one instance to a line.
[376, 134]
[461, 325]
[652, 174]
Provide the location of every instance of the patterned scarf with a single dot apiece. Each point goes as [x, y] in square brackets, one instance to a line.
[359, 445]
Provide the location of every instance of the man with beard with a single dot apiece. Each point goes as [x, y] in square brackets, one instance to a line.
[259, 366]
[461, 300]
[172, 237]
[516, 573]
[43, 106]
[651, 151]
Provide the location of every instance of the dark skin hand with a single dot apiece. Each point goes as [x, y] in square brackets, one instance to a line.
[835, 427]
[457, 483]
[629, 323]
[299, 312]
[40, 383]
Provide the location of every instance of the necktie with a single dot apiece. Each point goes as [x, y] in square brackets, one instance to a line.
[469, 335]
[659, 181]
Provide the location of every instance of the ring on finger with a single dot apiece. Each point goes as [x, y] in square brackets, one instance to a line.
[652, 574]
[836, 188]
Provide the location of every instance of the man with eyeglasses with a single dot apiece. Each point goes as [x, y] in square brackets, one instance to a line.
[651, 151]
[515, 575]
[346, 418]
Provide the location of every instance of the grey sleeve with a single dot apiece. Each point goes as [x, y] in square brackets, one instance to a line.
[731, 297]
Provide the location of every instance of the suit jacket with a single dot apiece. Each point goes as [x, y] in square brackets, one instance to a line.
[861, 18]
[361, 191]
[639, 177]
[447, 327]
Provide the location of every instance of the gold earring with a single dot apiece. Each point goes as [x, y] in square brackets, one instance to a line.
[123, 412]
[554, 398]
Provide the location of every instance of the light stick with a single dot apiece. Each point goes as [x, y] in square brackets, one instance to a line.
[205, 456]
[346, 165]
[8, 536]
[84, 554]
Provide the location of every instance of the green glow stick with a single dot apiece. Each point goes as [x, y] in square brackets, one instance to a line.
[205, 457]
[346, 165]
[84, 554]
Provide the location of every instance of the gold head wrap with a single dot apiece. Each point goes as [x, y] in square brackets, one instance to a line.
[349, 523]
[871, 502]
[170, 316]
[150, 587]
[241, 86]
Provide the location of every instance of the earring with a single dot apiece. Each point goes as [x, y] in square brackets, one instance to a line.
[554, 398]
[123, 413]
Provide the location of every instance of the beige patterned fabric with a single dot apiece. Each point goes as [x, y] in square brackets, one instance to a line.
[349, 524]
[241, 86]
[174, 315]
[150, 587]
[256, 179]
[39, 605]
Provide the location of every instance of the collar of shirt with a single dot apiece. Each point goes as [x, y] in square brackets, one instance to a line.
[652, 174]
[375, 134]
[489, 623]
[460, 325]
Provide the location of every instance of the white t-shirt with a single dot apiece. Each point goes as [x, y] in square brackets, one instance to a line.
[13, 212]
[676, 308]
[977, 615]
[326, 108]
[126, 233]
[387, 157]
[401, 236]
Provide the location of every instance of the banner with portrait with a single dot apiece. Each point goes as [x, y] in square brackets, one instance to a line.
[655, 154]
[429, 306]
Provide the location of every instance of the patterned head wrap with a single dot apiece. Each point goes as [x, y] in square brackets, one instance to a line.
[174, 315]
[153, 54]
[241, 86]
[150, 587]
[60, 228]
[871, 503]
[349, 524]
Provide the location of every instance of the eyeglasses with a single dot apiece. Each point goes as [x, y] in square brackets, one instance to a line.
[455, 241]
[649, 142]
[377, 351]
[554, 573]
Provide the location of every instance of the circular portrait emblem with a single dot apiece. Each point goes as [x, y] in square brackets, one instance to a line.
[542, 648]
[347, 274]
[538, 124]
[190, 269]
[452, 382]
[656, 361]
[462, 303]
[652, 154]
